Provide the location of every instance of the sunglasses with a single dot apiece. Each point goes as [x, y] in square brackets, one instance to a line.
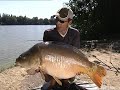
[60, 20]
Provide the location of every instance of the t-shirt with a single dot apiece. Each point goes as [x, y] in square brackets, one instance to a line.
[72, 37]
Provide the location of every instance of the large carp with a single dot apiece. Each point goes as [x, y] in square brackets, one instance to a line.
[60, 61]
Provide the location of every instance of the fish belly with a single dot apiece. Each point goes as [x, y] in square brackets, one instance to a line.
[60, 70]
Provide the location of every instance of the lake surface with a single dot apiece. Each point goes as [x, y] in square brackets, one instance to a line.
[15, 39]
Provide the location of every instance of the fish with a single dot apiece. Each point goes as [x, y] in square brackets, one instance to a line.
[61, 61]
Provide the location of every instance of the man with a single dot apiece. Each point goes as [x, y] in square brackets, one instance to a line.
[62, 33]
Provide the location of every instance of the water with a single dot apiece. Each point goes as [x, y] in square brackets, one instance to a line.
[16, 39]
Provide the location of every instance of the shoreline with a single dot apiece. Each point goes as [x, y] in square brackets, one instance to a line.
[5, 68]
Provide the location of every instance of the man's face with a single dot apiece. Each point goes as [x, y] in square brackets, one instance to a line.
[62, 24]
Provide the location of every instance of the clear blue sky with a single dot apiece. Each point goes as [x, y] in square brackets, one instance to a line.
[31, 8]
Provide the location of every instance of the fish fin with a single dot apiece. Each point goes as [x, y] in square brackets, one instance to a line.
[58, 81]
[42, 75]
[96, 73]
[31, 71]
[41, 70]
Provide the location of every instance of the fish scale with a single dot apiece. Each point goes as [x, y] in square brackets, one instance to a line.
[60, 60]
[59, 65]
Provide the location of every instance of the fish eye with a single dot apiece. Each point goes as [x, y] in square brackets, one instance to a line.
[24, 57]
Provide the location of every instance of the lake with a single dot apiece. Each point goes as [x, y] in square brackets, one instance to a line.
[16, 39]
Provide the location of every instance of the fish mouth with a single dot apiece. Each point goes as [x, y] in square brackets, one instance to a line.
[17, 64]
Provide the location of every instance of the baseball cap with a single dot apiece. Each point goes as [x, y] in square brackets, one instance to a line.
[64, 14]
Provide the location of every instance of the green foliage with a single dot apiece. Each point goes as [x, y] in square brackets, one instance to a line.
[46, 21]
[6, 19]
[85, 18]
[94, 18]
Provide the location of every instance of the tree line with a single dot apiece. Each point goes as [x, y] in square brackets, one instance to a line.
[6, 19]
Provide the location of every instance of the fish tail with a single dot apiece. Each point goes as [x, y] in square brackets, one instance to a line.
[96, 73]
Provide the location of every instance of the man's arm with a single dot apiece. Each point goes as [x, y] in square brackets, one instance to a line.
[76, 41]
[45, 36]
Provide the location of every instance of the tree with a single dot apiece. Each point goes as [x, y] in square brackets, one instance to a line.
[35, 20]
[52, 20]
[46, 21]
[40, 21]
[85, 19]
[96, 19]
[20, 20]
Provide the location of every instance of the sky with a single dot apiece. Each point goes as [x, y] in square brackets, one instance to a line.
[31, 8]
